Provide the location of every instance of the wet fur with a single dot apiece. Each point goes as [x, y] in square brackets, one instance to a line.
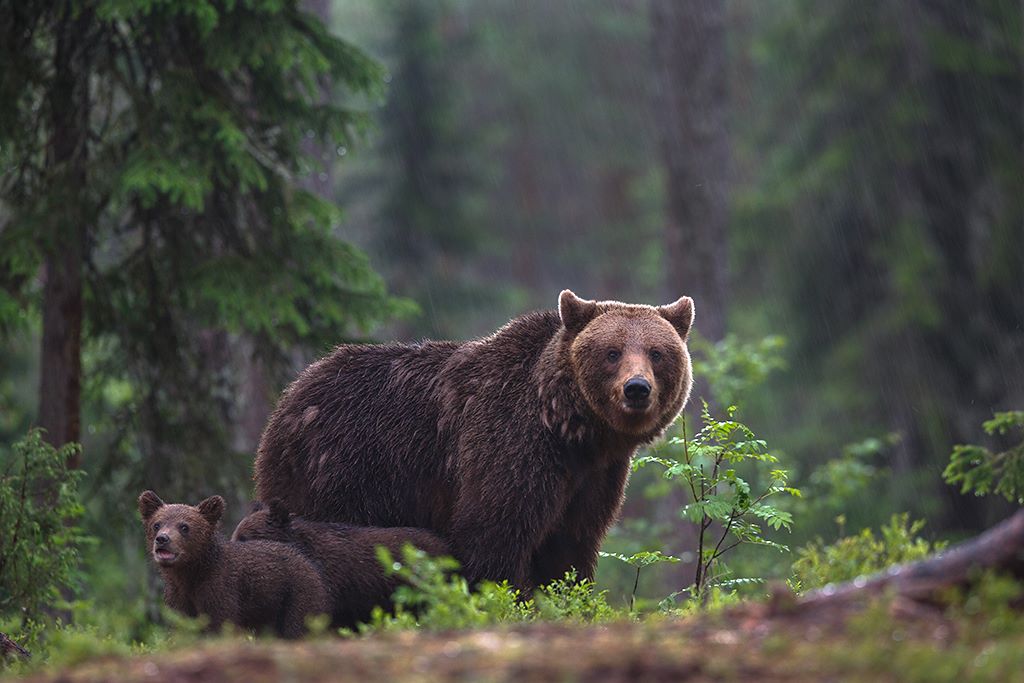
[256, 586]
[510, 446]
[345, 556]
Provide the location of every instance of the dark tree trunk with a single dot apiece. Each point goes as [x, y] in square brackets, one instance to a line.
[692, 104]
[65, 240]
[691, 65]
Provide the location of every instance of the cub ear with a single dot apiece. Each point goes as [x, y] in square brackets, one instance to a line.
[680, 314]
[149, 503]
[574, 311]
[278, 512]
[212, 509]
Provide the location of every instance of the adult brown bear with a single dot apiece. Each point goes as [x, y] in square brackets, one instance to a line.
[515, 447]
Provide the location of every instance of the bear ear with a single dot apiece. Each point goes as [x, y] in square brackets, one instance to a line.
[574, 311]
[680, 314]
[212, 509]
[149, 503]
[278, 512]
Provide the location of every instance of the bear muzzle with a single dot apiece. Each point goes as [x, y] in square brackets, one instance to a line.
[637, 394]
[163, 552]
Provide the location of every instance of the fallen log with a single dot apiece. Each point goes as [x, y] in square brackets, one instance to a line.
[1000, 549]
[10, 648]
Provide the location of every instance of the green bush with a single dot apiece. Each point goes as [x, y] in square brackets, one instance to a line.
[818, 564]
[434, 597]
[979, 470]
[733, 483]
[40, 544]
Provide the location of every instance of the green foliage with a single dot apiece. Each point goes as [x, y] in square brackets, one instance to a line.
[572, 599]
[40, 542]
[434, 597]
[732, 367]
[979, 470]
[709, 466]
[205, 249]
[897, 542]
[876, 138]
[644, 558]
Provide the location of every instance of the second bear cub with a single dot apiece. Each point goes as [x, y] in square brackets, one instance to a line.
[346, 555]
[252, 585]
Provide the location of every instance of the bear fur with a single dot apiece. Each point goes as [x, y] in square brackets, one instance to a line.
[515, 448]
[345, 555]
[255, 585]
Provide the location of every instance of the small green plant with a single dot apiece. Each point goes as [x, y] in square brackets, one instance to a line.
[572, 599]
[708, 466]
[644, 558]
[979, 470]
[818, 564]
[434, 597]
[39, 542]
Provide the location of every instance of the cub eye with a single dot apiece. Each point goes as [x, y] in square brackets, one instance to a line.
[156, 527]
[183, 528]
[655, 355]
[241, 539]
[614, 355]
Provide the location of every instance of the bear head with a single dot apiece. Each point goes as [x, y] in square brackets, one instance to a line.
[266, 522]
[630, 361]
[179, 535]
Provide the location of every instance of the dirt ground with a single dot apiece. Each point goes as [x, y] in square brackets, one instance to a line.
[755, 643]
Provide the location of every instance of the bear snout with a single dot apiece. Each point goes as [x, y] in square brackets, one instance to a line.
[637, 391]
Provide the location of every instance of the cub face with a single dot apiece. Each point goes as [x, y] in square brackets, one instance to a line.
[631, 361]
[265, 522]
[177, 534]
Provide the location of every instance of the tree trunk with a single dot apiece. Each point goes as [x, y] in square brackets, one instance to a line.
[65, 238]
[692, 104]
[691, 65]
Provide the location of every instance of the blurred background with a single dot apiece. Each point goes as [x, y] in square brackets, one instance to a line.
[198, 201]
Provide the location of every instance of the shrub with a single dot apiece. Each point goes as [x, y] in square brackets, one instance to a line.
[818, 564]
[40, 543]
[729, 507]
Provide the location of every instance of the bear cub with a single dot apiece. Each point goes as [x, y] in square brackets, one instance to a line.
[252, 585]
[345, 555]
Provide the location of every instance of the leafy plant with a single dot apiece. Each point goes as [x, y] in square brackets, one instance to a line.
[979, 470]
[818, 564]
[644, 558]
[572, 599]
[434, 597]
[707, 465]
[39, 541]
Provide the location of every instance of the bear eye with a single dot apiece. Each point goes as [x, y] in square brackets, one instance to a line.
[655, 355]
[614, 355]
[183, 528]
[156, 527]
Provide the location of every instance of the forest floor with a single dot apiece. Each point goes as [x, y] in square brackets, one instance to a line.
[891, 640]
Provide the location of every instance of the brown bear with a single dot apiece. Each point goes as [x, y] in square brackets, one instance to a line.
[515, 447]
[252, 585]
[345, 555]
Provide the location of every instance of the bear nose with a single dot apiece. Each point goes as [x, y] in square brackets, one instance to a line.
[636, 389]
[163, 539]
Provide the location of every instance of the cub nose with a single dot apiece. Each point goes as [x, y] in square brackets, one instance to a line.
[163, 539]
[636, 389]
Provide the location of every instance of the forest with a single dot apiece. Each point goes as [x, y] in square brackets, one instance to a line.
[199, 199]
